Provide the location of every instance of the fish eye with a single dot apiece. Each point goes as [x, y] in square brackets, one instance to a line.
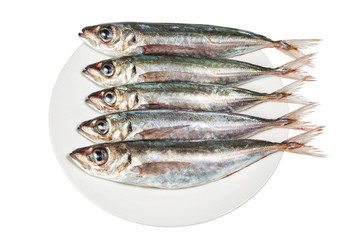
[108, 69]
[110, 98]
[99, 156]
[106, 34]
[102, 127]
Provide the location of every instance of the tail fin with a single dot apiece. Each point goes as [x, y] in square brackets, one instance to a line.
[292, 47]
[292, 70]
[286, 94]
[297, 143]
[291, 120]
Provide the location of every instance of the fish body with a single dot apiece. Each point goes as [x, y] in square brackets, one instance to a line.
[130, 38]
[183, 125]
[147, 68]
[181, 96]
[172, 165]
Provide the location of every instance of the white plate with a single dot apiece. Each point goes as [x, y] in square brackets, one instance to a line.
[145, 205]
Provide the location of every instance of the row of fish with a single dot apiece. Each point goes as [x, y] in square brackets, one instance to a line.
[173, 104]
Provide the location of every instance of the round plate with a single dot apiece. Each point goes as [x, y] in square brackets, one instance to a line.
[157, 207]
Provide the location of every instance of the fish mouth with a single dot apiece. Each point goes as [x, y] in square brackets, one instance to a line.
[89, 73]
[89, 102]
[84, 32]
[81, 35]
[74, 156]
[86, 35]
[86, 130]
[83, 130]
[80, 163]
[86, 72]
[92, 103]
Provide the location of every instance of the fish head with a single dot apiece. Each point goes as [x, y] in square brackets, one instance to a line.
[105, 38]
[109, 100]
[113, 39]
[103, 160]
[107, 128]
[111, 72]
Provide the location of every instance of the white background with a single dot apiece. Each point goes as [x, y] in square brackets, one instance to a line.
[307, 198]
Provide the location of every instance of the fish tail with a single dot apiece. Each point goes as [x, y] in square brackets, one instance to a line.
[292, 47]
[298, 143]
[286, 94]
[292, 70]
[292, 119]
